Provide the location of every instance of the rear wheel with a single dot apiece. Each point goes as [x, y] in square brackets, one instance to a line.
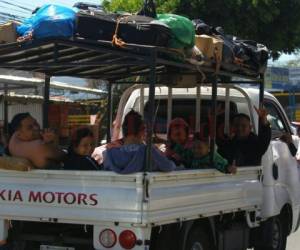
[275, 236]
[199, 239]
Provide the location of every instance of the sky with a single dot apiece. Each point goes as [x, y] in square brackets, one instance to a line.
[63, 2]
[31, 4]
[23, 8]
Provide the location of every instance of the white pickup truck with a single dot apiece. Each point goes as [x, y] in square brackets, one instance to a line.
[181, 210]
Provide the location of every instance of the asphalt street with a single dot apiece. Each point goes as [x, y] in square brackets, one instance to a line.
[294, 241]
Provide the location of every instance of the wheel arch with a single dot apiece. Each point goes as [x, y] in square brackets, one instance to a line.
[286, 215]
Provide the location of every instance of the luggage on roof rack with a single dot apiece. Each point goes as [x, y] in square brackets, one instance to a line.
[88, 6]
[130, 29]
[8, 32]
[49, 21]
[238, 55]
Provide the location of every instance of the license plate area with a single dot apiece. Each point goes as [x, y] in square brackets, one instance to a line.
[45, 247]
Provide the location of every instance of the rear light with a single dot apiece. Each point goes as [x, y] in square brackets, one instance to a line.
[127, 239]
[108, 238]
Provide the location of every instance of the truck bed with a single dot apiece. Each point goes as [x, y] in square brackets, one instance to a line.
[88, 197]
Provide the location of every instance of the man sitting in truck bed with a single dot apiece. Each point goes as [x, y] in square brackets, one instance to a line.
[27, 141]
[246, 148]
[130, 157]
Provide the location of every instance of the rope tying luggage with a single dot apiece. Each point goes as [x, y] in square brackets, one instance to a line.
[118, 42]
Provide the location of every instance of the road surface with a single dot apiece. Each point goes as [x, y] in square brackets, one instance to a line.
[294, 241]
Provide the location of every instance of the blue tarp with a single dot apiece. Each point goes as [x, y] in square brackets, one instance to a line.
[49, 21]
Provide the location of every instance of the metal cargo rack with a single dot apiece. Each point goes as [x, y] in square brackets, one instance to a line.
[85, 58]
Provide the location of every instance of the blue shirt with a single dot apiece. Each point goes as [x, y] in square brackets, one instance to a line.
[130, 159]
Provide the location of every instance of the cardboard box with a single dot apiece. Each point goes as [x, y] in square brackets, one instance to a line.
[211, 47]
[8, 32]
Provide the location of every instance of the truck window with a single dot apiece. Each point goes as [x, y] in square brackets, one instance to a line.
[276, 119]
[183, 108]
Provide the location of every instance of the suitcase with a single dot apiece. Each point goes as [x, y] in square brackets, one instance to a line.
[100, 26]
[8, 33]
[210, 46]
[132, 29]
[88, 6]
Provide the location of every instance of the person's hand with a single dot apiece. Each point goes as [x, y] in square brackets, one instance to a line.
[262, 114]
[162, 147]
[287, 138]
[49, 136]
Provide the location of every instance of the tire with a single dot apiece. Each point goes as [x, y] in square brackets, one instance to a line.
[276, 236]
[199, 239]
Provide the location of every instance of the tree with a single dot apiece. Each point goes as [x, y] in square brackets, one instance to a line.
[293, 63]
[274, 23]
[123, 5]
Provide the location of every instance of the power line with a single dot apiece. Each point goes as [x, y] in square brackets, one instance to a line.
[10, 15]
[21, 3]
[16, 5]
[15, 10]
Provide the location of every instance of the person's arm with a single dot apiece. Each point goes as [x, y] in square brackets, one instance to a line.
[265, 132]
[45, 154]
[227, 150]
[182, 155]
[161, 162]
[220, 163]
[49, 137]
[264, 138]
[99, 152]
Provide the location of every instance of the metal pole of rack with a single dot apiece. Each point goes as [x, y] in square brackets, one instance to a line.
[109, 112]
[261, 95]
[46, 101]
[150, 124]
[213, 118]
[5, 102]
[261, 90]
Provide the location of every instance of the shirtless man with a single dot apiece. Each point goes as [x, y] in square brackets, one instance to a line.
[27, 141]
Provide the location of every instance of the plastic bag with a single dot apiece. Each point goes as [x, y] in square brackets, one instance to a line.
[49, 21]
[182, 29]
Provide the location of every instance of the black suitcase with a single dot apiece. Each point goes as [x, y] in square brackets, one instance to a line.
[132, 29]
[88, 6]
[96, 27]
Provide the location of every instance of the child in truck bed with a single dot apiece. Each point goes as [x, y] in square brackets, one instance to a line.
[80, 150]
[201, 158]
[179, 146]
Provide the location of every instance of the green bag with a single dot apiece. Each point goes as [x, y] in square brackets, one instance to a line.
[182, 29]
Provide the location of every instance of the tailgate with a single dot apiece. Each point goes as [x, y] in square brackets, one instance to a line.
[83, 197]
